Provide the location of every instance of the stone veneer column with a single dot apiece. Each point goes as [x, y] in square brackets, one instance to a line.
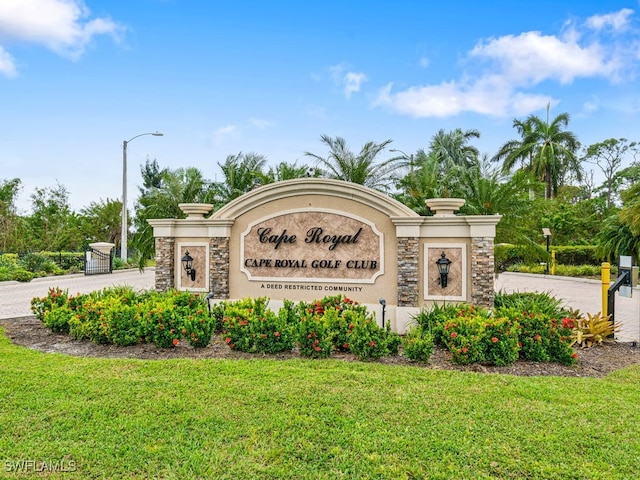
[165, 250]
[482, 271]
[407, 271]
[219, 267]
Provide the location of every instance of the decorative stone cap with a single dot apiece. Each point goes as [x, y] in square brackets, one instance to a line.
[104, 247]
[195, 210]
[444, 207]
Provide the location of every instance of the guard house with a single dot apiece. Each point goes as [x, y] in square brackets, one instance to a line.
[308, 238]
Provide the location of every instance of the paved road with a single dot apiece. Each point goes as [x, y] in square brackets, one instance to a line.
[585, 295]
[15, 297]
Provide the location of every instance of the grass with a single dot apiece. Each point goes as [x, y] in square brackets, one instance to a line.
[309, 419]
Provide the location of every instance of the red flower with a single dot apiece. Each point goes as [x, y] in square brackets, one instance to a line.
[465, 349]
[574, 355]
[176, 341]
[372, 343]
[454, 335]
[276, 334]
[317, 349]
[345, 345]
[494, 339]
[537, 338]
[227, 340]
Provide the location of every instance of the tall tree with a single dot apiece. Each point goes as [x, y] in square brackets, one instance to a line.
[101, 221]
[290, 171]
[10, 222]
[550, 148]
[452, 148]
[361, 168]
[183, 185]
[608, 156]
[242, 172]
[52, 225]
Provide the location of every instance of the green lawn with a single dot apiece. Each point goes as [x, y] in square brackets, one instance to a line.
[297, 419]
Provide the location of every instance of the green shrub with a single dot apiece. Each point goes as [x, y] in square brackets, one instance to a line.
[501, 341]
[418, 344]
[366, 339]
[22, 275]
[313, 336]
[55, 298]
[463, 337]
[57, 319]
[35, 262]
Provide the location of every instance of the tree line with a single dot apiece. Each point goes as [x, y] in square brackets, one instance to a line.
[543, 178]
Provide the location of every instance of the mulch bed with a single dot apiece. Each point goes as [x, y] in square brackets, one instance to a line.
[597, 361]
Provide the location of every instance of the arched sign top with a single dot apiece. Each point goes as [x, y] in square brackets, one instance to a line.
[313, 186]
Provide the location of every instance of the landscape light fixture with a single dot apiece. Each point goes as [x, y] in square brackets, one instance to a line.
[187, 263]
[124, 254]
[443, 264]
[547, 234]
[383, 302]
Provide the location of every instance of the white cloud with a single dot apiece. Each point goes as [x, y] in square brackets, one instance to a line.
[617, 20]
[509, 67]
[7, 65]
[352, 82]
[349, 81]
[260, 123]
[62, 26]
[223, 133]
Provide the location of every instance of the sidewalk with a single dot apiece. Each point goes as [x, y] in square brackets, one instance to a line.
[577, 293]
[581, 294]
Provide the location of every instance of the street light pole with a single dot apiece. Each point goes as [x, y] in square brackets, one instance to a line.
[124, 254]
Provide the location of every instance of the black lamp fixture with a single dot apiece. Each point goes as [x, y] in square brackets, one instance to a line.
[187, 263]
[383, 302]
[443, 264]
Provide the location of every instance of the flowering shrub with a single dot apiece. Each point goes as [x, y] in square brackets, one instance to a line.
[501, 341]
[418, 344]
[463, 337]
[366, 339]
[56, 297]
[248, 326]
[314, 339]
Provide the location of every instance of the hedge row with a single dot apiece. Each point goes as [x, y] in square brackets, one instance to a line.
[507, 255]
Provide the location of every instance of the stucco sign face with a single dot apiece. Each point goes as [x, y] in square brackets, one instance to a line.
[312, 246]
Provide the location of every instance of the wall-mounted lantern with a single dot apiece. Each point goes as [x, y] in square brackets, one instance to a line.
[443, 264]
[187, 263]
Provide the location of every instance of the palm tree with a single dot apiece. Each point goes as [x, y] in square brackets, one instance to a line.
[184, 185]
[342, 164]
[242, 172]
[549, 148]
[452, 149]
[426, 180]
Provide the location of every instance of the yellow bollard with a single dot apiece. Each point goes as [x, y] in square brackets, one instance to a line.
[553, 262]
[606, 280]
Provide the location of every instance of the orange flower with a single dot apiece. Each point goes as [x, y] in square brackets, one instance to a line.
[494, 339]
[276, 334]
[454, 334]
[176, 341]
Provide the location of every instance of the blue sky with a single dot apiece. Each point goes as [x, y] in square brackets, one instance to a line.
[217, 78]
